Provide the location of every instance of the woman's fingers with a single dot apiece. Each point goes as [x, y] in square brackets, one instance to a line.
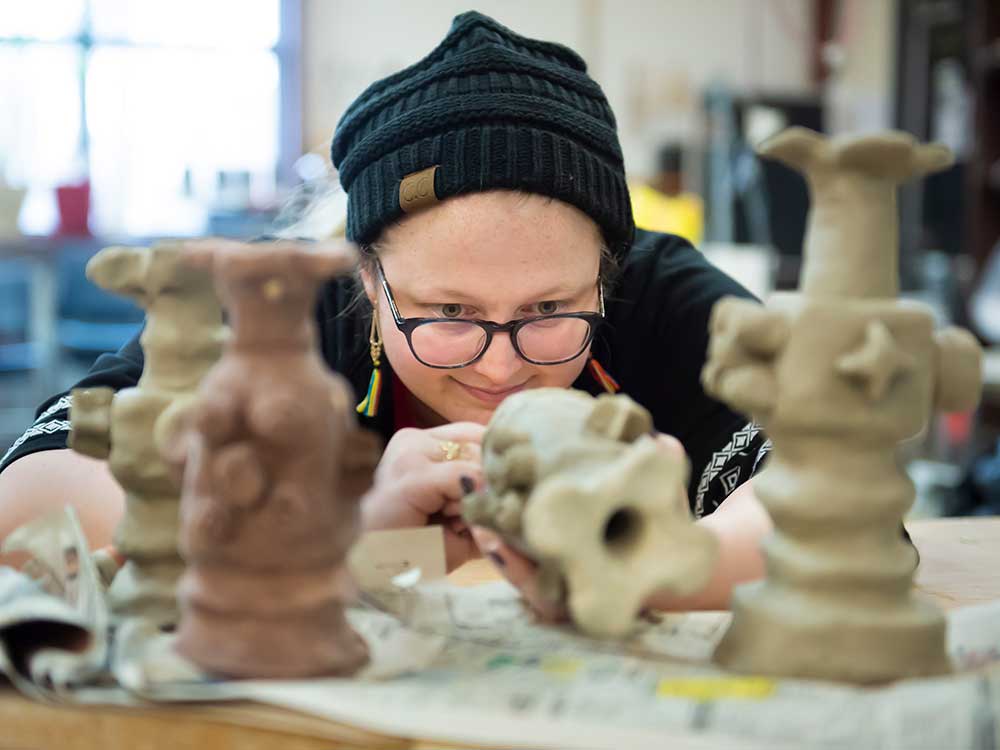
[447, 477]
[521, 572]
[457, 441]
[441, 451]
[459, 548]
[435, 486]
[516, 568]
[410, 449]
[424, 473]
[471, 452]
[459, 432]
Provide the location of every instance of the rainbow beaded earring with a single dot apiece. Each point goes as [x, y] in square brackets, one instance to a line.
[369, 405]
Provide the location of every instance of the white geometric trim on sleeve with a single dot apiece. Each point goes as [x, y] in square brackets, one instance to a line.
[40, 427]
[739, 442]
[764, 450]
[64, 403]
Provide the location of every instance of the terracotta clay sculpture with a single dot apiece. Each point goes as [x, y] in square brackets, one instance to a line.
[579, 485]
[181, 340]
[838, 374]
[274, 472]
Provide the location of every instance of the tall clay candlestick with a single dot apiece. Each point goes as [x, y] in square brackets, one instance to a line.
[838, 374]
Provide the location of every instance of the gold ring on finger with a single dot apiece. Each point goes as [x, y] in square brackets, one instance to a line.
[450, 449]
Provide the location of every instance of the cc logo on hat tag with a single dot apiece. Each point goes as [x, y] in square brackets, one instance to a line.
[417, 190]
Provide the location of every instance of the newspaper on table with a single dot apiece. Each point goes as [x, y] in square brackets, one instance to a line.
[54, 620]
[469, 665]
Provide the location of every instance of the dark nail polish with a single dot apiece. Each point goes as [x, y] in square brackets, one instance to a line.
[496, 559]
[468, 484]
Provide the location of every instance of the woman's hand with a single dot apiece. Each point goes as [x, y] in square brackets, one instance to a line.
[419, 480]
[521, 572]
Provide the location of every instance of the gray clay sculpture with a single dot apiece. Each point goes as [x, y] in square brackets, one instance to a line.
[181, 340]
[838, 374]
[579, 485]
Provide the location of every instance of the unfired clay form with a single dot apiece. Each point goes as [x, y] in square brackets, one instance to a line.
[181, 340]
[579, 485]
[274, 475]
[837, 375]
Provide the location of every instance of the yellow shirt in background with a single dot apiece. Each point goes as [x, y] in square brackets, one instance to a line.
[682, 214]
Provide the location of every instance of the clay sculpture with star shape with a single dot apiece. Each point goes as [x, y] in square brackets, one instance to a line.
[838, 374]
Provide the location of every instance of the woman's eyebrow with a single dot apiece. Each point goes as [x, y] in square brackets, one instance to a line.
[438, 294]
[444, 293]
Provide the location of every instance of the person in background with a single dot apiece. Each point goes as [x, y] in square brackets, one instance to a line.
[663, 205]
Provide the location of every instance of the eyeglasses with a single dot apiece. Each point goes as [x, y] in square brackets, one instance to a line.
[450, 343]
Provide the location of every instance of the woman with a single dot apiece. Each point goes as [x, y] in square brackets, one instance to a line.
[485, 183]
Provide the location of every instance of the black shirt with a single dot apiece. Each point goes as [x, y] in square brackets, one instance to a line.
[654, 344]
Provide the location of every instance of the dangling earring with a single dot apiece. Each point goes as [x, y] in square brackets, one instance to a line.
[601, 375]
[369, 406]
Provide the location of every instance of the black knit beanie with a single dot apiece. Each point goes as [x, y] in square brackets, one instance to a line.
[487, 109]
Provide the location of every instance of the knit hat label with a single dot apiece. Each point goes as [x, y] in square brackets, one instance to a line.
[416, 191]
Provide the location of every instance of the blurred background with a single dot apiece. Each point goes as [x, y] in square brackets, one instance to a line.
[125, 121]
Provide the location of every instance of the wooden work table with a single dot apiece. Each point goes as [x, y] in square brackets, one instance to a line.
[960, 560]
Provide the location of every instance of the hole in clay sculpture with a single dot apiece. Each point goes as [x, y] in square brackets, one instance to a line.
[622, 530]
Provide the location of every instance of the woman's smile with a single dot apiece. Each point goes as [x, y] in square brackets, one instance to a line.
[491, 395]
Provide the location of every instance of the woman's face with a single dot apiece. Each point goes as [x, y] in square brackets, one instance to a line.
[494, 256]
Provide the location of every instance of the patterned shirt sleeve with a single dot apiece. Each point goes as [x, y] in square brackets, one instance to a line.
[729, 467]
[49, 429]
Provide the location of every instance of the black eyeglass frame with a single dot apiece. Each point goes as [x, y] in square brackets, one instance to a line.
[511, 327]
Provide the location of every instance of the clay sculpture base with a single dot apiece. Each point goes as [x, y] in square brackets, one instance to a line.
[837, 606]
[308, 636]
[798, 636]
